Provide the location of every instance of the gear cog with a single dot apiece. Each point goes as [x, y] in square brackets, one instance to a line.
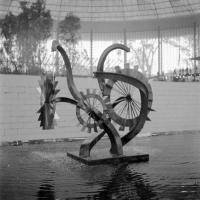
[92, 101]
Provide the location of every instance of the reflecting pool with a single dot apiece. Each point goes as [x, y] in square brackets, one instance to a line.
[42, 171]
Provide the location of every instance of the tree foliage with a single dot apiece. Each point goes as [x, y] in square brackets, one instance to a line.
[25, 33]
[68, 29]
[144, 54]
[185, 49]
[69, 35]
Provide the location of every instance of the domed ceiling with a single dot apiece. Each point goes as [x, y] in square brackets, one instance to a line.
[98, 11]
[112, 10]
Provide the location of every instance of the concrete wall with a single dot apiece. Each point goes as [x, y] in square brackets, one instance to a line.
[177, 108]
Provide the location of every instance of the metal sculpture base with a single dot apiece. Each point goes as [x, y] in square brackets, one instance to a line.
[102, 156]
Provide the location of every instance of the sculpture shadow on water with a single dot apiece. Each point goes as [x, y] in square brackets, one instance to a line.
[126, 184]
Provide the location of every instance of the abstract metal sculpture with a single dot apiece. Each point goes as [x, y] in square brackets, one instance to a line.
[126, 99]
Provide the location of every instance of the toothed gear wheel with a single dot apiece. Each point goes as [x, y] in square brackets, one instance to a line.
[93, 101]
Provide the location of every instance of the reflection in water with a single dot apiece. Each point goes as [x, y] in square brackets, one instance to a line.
[126, 184]
[46, 191]
[121, 183]
[49, 174]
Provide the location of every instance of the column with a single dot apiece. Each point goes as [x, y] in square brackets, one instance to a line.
[125, 43]
[91, 53]
[159, 52]
[195, 45]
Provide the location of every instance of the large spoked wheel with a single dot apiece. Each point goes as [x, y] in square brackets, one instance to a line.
[125, 103]
[92, 102]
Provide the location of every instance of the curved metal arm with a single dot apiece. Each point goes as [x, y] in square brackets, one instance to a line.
[70, 81]
[100, 66]
[65, 100]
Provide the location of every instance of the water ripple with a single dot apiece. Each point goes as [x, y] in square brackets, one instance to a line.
[45, 172]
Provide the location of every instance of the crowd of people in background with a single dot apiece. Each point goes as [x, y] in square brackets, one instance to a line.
[180, 75]
[186, 75]
[177, 75]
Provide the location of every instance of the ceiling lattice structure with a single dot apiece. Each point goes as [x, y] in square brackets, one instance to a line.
[112, 10]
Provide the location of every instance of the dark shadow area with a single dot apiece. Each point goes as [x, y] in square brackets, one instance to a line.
[125, 184]
[46, 191]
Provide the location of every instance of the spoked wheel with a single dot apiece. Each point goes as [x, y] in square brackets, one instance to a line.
[92, 101]
[125, 100]
[126, 103]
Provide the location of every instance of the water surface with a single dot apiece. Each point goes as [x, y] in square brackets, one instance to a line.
[43, 171]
